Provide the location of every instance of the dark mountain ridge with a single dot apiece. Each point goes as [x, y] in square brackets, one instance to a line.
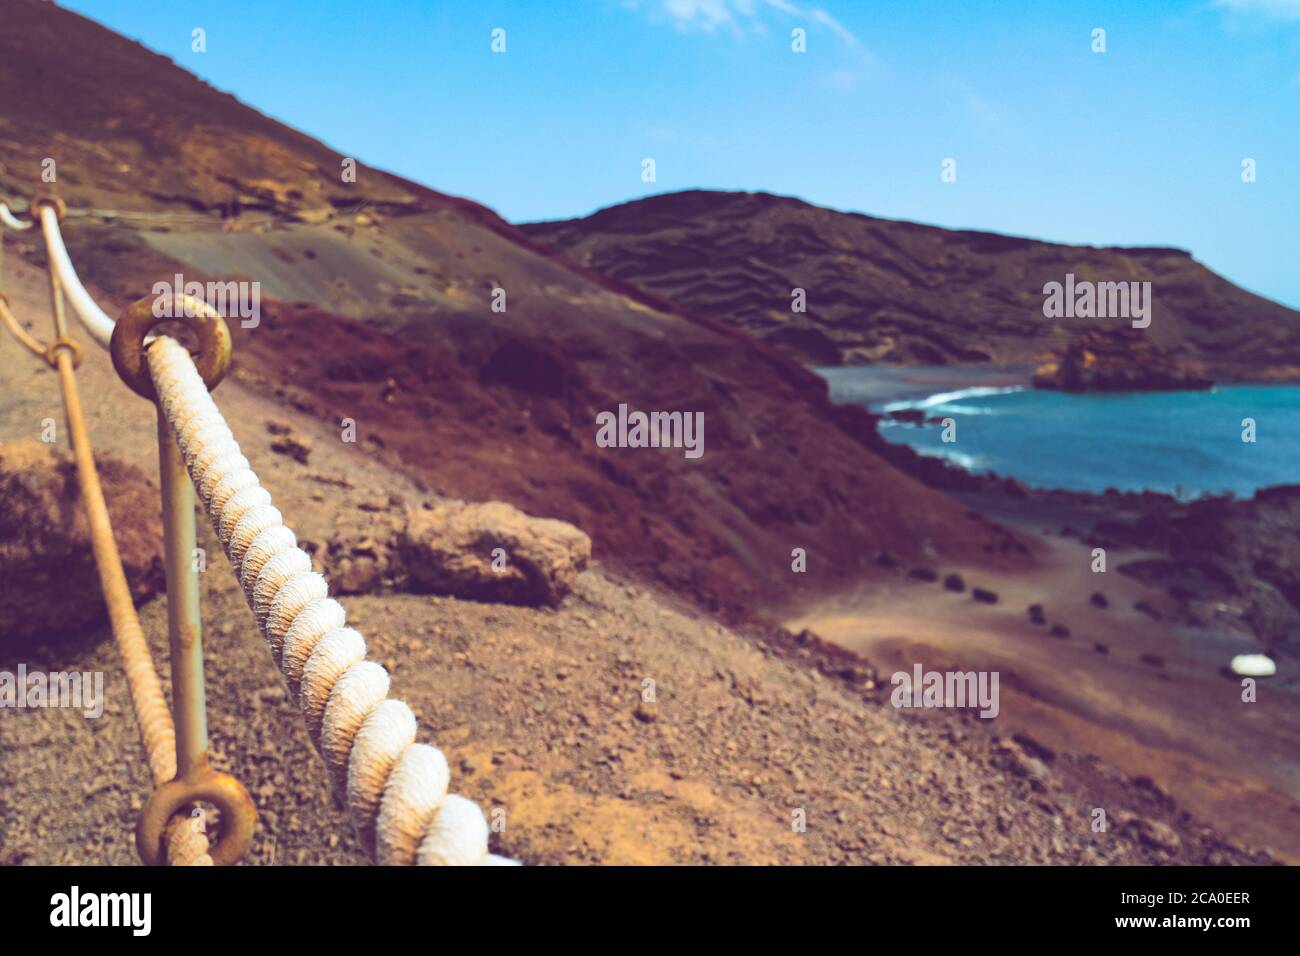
[882, 291]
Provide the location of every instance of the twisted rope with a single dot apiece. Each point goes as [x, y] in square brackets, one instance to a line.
[186, 846]
[395, 789]
[18, 332]
[95, 319]
[10, 221]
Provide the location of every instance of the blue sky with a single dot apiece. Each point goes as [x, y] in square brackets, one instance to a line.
[1140, 145]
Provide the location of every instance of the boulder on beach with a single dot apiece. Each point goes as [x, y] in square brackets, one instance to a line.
[492, 552]
[48, 582]
[1253, 665]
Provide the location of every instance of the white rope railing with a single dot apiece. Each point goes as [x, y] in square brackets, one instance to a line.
[95, 319]
[12, 222]
[395, 789]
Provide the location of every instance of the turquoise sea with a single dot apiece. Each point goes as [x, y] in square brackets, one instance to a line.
[1184, 443]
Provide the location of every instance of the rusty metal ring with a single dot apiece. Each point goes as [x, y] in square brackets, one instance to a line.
[46, 199]
[128, 344]
[63, 342]
[223, 791]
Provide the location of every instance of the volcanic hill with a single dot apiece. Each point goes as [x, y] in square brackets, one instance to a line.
[882, 291]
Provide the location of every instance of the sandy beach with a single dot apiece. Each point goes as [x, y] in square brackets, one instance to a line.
[1139, 694]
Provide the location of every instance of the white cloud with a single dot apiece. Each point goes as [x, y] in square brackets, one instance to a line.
[708, 16]
[1286, 9]
[820, 16]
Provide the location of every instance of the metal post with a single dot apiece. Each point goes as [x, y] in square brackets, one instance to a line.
[184, 621]
[196, 781]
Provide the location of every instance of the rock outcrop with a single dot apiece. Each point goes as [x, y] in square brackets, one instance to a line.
[48, 583]
[492, 552]
[1118, 360]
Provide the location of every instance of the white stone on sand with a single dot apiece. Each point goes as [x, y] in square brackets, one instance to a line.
[1253, 665]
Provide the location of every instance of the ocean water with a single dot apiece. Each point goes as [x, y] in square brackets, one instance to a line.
[1183, 443]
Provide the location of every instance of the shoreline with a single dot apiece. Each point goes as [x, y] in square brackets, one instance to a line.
[911, 383]
[914, 383]
[1142, 681]
[905, 395]
[1221, 558]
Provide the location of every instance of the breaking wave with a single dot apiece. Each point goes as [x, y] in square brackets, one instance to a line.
[945, 398]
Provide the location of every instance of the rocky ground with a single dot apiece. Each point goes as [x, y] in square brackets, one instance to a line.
[621, 727]
[610, 714]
